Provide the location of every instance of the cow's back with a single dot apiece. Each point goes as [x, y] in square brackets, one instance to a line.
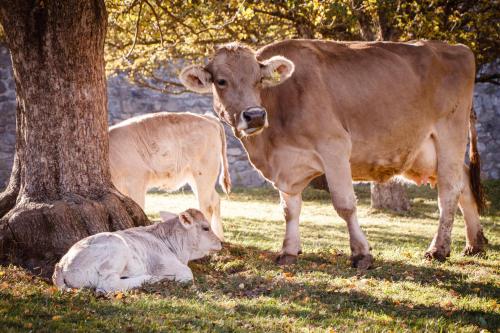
[356, 77]
[162, 146]
[387, 97]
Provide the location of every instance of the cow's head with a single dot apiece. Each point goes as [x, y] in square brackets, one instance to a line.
[200, 240]
[236, 77]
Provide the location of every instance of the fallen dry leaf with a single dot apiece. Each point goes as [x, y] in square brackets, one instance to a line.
[446, 304]
[55, 318]
[51, 290]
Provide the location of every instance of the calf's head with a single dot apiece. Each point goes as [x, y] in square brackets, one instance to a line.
[200, 240]
[236, 78]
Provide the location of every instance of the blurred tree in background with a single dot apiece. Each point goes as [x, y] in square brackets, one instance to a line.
[144, 35]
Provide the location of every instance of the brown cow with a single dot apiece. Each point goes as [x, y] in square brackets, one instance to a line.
[352, 110]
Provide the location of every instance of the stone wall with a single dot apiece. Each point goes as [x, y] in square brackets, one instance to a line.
[487, 106]
[127, 100]
[7, 117]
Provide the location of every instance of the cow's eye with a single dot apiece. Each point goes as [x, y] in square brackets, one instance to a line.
[222, 83]
[205, 228]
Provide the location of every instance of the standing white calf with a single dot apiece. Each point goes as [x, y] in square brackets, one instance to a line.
[126, 259]
[168, 150]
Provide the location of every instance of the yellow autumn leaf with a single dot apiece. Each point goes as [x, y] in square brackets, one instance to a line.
[52, 290]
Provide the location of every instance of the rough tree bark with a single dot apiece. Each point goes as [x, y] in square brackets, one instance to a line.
[60, 180]
[391, 195]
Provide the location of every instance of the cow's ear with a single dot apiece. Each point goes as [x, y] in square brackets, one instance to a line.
[196, 78]
[167, 216]
[186, 219]
[276, 70]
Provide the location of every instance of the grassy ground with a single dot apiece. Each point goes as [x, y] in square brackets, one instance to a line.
[241, 289]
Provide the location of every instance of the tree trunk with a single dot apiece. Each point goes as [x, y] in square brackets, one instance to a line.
[320, 183]
[367, 25]
[61, 178]
[391, 195]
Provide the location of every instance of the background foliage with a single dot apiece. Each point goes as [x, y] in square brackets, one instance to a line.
[146, 34]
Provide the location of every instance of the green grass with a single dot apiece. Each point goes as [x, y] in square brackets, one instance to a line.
[241, 289]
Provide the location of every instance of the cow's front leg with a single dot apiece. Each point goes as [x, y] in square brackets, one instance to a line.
[291, 205]
[174, 270]
[338, 175]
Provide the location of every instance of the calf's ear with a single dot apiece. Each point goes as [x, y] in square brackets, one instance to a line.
[276, 70]
[167, 216]
[186, 219]
[196, 78]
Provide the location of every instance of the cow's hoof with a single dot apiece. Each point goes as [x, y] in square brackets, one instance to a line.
[286, 259]
[478, 247]
[435, 254]
[362, 261]
[470, 250]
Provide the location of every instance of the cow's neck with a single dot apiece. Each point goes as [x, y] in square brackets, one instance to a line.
[260, 148]
[174, 238]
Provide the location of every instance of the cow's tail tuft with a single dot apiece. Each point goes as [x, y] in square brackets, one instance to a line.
[475, 166]
[225, 178]
[58, 278]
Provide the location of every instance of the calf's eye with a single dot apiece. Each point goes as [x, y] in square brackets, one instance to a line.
[205, 228]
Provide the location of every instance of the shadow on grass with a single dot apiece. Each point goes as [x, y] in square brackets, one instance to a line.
[350, 302]
[263, 297]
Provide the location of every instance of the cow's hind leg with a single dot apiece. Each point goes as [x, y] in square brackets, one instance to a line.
[450, 147]
[473, 229]
[115, 282]
[209, 201]
[135, 187]
[291, 205]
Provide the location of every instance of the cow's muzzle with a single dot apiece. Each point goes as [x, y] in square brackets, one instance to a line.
[253, 120]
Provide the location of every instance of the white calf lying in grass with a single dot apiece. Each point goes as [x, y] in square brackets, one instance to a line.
[126, 259]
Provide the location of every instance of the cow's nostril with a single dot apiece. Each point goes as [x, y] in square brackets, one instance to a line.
[247, 117]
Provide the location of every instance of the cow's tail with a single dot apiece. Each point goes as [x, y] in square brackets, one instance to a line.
[58, 278]
[225, 178]
[475, 165]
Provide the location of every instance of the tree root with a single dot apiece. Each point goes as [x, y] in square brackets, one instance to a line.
[36, 235]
